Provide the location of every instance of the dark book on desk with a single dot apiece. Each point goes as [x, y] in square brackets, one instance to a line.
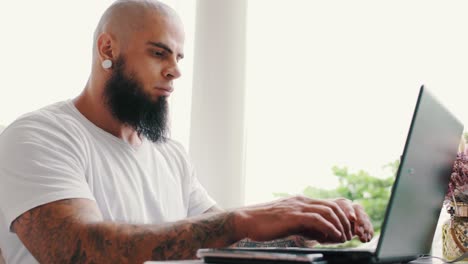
[255, 256]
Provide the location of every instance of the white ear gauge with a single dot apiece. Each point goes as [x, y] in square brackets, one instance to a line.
[106, 64]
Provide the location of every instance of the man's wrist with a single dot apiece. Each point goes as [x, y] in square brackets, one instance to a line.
[240, 224]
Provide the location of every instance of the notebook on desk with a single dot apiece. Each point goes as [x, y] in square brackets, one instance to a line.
[417, 193]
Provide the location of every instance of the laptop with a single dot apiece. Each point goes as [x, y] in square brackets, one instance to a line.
[416, 199]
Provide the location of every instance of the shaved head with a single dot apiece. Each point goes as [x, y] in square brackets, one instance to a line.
[126, 17]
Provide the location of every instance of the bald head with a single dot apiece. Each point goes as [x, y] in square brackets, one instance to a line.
[124, 18]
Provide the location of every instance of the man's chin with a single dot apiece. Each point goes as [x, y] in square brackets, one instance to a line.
[156, 98]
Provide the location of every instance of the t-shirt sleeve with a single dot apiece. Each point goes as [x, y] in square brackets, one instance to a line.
[200, 200]
[39, 164]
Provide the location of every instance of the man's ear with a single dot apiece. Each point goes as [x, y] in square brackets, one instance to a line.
[107, 47]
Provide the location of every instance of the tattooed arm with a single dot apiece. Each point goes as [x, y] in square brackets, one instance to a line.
[72, 231]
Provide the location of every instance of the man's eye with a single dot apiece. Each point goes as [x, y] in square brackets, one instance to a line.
[158, 54]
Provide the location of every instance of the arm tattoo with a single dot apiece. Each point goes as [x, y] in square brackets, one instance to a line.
[72, 231]
[182, 243]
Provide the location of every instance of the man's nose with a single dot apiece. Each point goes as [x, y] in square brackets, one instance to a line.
[172, 72]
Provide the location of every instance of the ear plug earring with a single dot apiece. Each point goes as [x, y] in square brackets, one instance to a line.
[106, 64]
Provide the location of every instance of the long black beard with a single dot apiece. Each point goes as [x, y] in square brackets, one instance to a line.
[128, 102]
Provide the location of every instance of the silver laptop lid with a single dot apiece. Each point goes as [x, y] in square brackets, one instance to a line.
[421, 182]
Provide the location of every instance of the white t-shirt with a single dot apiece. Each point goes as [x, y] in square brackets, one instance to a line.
[56, 153]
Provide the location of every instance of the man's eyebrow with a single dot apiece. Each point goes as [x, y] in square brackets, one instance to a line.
[165, 47]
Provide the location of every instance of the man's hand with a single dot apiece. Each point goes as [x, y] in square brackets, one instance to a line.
[327, 221]
[360, 222]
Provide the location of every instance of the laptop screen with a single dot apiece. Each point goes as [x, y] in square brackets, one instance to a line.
[422, 180]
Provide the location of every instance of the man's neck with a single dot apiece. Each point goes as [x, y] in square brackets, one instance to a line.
[94, 109]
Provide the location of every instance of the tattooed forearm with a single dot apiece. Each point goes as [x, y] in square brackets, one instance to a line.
[50, 232]
[72, 231]
[182, 242]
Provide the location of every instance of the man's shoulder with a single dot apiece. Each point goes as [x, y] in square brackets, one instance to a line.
[52, 120]
[54, 112]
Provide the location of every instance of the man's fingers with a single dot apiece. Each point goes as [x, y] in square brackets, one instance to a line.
[347, 206]
[343, 218]
[342, 214]
[360, 233]
[344, 223]
[363, 226]
[350, 214]
[331, 216]
[319, 228]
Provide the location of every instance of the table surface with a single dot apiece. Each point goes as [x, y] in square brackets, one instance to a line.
[198, 261]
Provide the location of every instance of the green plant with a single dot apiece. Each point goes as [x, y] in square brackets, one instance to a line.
[371, 192]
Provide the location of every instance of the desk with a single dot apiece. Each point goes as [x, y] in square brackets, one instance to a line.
[196, 261]
[424, 261]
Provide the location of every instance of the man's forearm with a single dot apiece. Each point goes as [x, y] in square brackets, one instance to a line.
[109, 242]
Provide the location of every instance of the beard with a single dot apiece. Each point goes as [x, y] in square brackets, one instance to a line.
[131, 105]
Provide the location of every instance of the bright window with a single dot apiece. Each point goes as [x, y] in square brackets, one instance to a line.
[335, 83]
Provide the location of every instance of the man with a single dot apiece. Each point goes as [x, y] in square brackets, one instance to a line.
[96, 180]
